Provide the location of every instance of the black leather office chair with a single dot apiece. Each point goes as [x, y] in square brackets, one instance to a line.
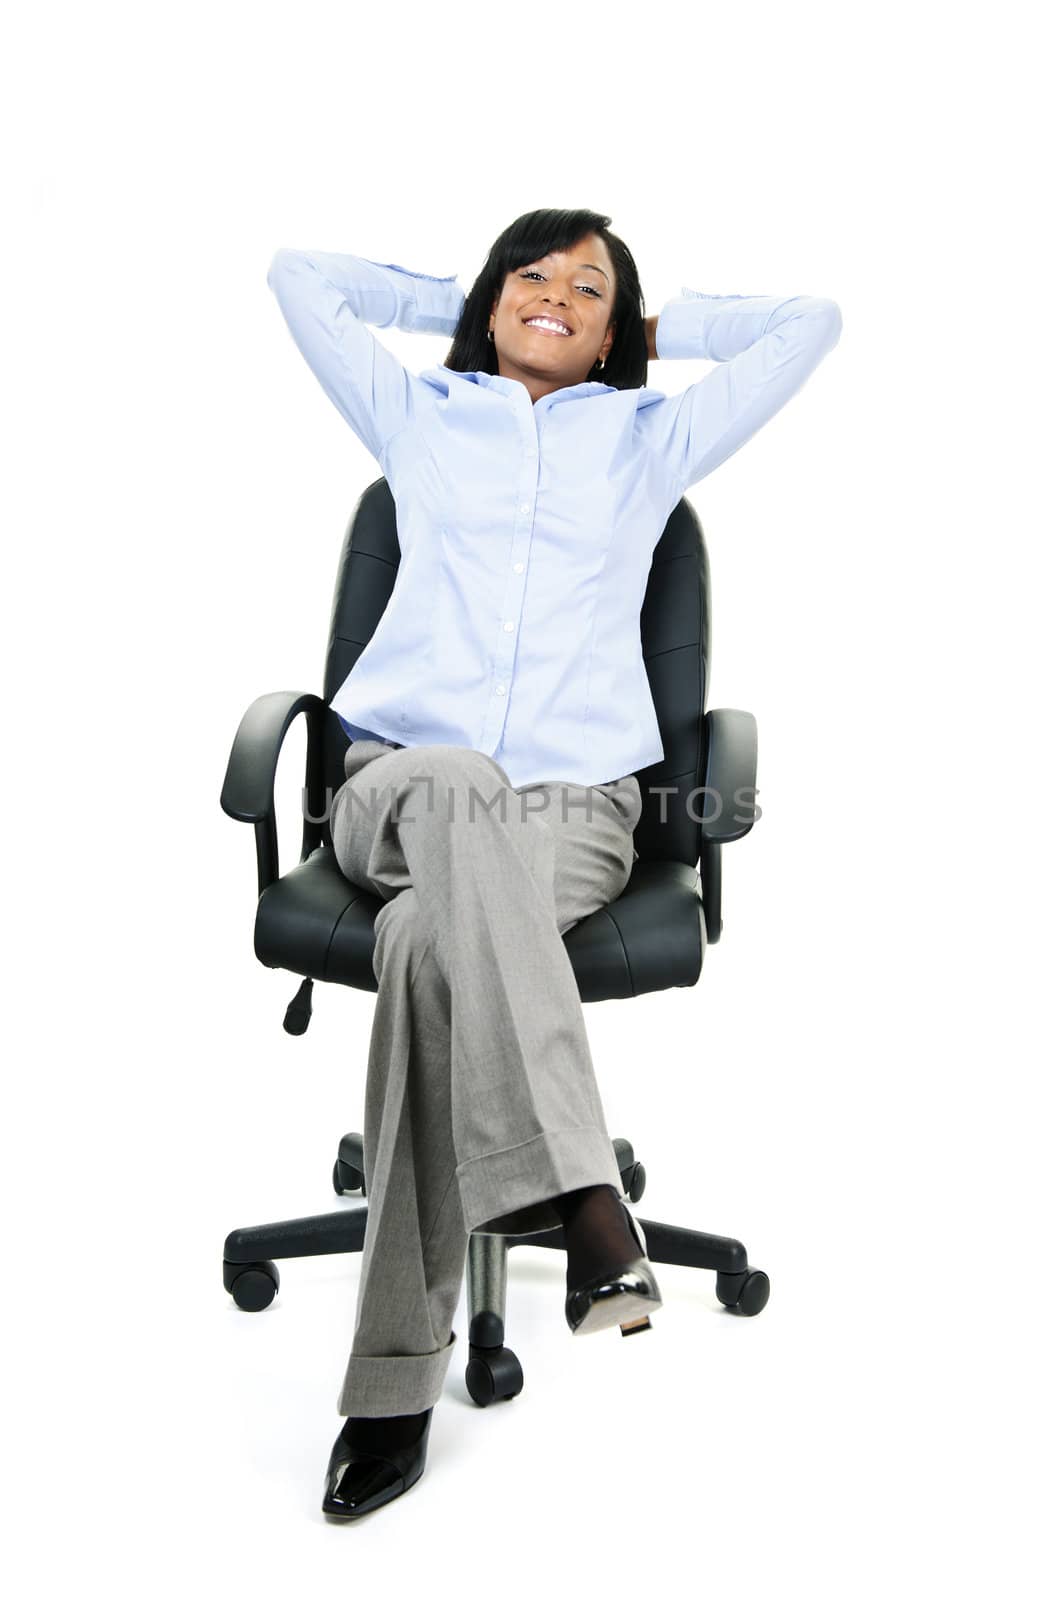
[312, 920]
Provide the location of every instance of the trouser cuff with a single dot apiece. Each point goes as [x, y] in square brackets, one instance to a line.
[393, 1386]
[501, 1182]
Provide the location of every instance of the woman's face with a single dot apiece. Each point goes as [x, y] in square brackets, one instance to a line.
[575, 287]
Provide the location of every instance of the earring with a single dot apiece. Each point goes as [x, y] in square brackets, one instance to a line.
[491, 336]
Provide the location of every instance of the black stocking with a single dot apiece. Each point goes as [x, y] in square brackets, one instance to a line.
[597, 1233]
[381, 1435]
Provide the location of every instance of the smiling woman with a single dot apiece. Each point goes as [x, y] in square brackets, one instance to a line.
[555, 304]
[532, 485]
[569, 268]
[533, 474]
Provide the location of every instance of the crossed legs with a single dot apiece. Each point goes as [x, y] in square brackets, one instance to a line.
[481, 1100]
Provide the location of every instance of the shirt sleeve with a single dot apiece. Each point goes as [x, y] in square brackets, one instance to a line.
[767, 348]
[327, 301]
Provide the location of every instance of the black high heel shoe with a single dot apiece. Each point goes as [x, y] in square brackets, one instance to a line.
[358, 1481]
[626, 1297]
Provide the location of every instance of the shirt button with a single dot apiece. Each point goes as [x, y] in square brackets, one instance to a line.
[524, 508]
[518, 566]
[508, 627]
[500, 688]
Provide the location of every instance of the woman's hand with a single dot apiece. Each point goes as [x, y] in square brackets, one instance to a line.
[650, 336]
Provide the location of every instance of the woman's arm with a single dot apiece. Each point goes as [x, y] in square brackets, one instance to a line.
[767, 347]
[328, 300]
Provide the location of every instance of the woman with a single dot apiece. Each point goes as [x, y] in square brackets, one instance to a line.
[503, 707]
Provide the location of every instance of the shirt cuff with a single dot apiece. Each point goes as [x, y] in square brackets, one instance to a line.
[424, 304]
[712, 327]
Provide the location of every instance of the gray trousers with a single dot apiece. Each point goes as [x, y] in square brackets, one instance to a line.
[481, 1099]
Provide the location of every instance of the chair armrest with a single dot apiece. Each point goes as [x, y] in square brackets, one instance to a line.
[728, 806]
[248, 794]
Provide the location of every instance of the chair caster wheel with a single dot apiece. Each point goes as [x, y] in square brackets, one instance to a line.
[636, 1182]
[252, 1285]
[347, 1180]
[493, 1374]
[744, 1292]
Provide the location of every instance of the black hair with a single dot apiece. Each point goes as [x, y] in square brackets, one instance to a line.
[536, 234]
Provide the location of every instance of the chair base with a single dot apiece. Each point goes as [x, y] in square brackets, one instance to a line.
[493, 1371]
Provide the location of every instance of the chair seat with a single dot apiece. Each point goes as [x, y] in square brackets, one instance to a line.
[315, 922]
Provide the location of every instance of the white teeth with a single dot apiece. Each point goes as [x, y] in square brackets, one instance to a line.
[541, 322]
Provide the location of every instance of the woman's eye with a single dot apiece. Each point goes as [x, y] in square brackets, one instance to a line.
[531, 273]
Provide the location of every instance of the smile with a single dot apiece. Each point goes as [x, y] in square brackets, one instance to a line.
[547, 325]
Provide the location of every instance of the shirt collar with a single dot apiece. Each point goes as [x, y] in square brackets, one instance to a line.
[513, 388]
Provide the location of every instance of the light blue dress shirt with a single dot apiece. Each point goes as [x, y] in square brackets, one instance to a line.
[527, 531]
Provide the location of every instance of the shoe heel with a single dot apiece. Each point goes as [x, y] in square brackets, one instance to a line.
[639, 1325]
[600, 1302]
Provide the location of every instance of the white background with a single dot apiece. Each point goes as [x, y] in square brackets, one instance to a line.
[854, 1087]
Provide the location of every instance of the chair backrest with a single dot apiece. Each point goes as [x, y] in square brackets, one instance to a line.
[676, 622]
